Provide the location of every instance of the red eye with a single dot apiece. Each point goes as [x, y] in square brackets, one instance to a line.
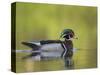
[71, 35]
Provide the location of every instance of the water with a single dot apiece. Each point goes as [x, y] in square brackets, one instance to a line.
[82, 59]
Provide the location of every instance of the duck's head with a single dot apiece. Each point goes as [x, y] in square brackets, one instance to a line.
[67, 34]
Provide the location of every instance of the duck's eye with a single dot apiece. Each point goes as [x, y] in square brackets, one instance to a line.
[66, 36]
[71, 35]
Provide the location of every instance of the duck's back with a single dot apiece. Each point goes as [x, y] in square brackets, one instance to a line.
[49, 41]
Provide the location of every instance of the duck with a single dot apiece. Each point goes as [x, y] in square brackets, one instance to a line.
[49, 49]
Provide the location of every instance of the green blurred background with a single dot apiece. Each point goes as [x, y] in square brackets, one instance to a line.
[36, 21]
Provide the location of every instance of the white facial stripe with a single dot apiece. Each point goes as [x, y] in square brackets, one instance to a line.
[69, 36]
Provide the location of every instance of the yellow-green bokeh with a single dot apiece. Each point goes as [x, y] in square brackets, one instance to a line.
[36, 21]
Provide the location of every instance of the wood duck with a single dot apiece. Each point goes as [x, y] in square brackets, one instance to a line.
[53, 48]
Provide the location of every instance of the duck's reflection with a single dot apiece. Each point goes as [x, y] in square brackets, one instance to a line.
[69, 63]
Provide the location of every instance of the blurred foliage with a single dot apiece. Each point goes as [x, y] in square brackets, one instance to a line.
[46, 21]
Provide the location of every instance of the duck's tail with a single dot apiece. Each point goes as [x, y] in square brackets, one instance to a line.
[31, 45]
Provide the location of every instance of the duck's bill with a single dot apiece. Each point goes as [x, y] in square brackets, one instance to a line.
[75, 38]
